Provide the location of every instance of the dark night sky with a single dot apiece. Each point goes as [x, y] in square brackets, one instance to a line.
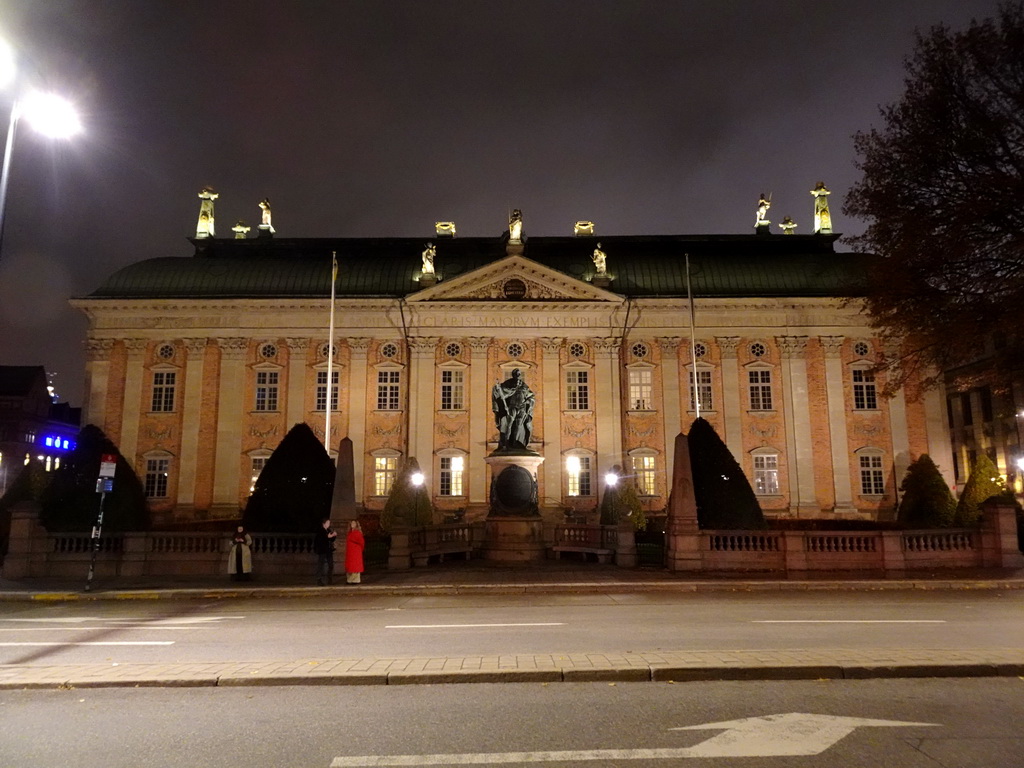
[379, 118]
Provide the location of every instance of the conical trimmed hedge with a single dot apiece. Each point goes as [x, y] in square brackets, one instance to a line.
[983, 483]
[723, 494]
[293, 492]
[621, 502]
[71, 503]
[407, 504]
[926, 500]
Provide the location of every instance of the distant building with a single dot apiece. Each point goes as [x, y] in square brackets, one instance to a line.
[32, 426]
[197, 367]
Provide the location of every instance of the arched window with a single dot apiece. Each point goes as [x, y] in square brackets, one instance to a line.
[579, 466]
[644, 463]
[871, 464]
[765, 462]
[385, 470]
[451, 471]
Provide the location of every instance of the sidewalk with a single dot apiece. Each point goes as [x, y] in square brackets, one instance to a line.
[474, 579]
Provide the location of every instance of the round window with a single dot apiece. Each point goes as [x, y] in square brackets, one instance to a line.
[453, 349]
[515, 349]
[268, 351]
[165, 351]
[326, 349]
[389, 350]
[576, 349]
[699, 349]
[757, 349]
[639, 350]
[861, 349]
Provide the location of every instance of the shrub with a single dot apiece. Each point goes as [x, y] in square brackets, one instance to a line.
[723, 494]
[407, 504]
[983, 483]
[293, 492]
[71, 503]
[926, 500]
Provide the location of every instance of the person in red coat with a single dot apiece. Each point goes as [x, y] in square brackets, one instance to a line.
[354, 544]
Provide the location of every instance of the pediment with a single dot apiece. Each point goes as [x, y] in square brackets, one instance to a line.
[496, 282]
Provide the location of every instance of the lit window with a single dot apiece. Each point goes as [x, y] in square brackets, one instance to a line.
[163, 391]
[577, 390]
[49, 464]
[577, 469]
[258, 462]
[388, 390]
[321, 390]
[766, 474]
[156, 478]
[451, 390]
[385, 469]
[864, 395]
[701, 391]
[451, 475]
[266, 390]
[760, 390]
[643, 470]
[872, 481]
[30, 437]
[640, 387]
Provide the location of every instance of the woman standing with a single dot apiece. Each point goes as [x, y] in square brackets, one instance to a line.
[240, 557]
[354, 544]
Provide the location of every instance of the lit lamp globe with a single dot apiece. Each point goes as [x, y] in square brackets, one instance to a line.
[611, 479]
[417, 478]
[50, 115]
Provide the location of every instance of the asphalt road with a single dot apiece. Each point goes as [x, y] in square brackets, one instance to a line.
[379, 625]
[838, 724]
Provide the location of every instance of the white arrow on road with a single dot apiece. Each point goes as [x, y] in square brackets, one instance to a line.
[795, 733]
[791, 734]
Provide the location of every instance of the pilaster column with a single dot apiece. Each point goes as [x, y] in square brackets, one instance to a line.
[295, 406]
[97, 379]
[191, 416]
[132, 405]
[479, 418]
[551, 399]
[357, 408]
[832, 347]
[607, 404]
[230, 414]
[940, 447]
[421, 403]
[670, 397]
[732, 403]
[800, 453]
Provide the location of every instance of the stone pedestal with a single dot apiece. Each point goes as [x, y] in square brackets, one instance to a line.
[514, 529]
[514, 539]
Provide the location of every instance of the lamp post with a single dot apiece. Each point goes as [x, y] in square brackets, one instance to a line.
[48, 113]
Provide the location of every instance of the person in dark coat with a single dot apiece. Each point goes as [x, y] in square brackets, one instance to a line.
[354, 545]
[323, 545]
[240, 556]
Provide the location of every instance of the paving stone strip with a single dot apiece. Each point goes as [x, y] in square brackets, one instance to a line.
[661, 666]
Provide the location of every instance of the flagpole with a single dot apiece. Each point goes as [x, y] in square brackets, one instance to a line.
[330, 357]
[693, 344]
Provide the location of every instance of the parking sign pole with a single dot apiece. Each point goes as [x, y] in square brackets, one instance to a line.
[104, 485]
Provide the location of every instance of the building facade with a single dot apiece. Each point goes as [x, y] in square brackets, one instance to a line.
[198, 366]
[32, 426]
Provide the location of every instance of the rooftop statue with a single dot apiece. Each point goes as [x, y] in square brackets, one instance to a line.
[515, 226]
[787, 226]
[600, 261]
[429, 252]
[265, 214]
[763, 204]
[241, 229]
[512, 402]
[205, 227]
[822, 217]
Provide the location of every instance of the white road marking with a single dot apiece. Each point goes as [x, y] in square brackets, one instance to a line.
[463, 626]
[92, 629]
[98, 642]
[156, 620]
[848, 621]
[789, 734]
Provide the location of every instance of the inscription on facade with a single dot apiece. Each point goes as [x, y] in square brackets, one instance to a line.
[509, 321]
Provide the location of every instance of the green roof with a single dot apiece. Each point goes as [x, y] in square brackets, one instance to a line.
[645, 266]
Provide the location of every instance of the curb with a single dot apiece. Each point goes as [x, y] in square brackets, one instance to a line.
[418, 590]
[633, 674]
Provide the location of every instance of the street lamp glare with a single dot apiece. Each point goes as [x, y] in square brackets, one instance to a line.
[51, 115]
[611, 478]
[417, 478]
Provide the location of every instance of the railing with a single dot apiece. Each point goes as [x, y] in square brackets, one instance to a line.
[841, 542]
[720, 541]
[82, 543]
[939, 541]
